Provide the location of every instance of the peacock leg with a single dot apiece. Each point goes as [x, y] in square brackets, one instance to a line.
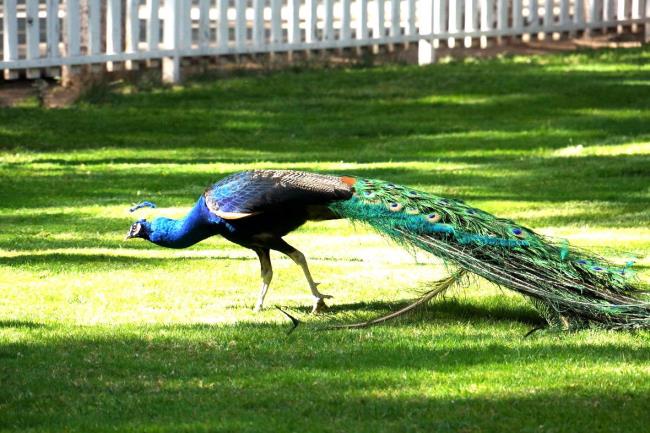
[319, 303]
[267, 275]
[299, 259]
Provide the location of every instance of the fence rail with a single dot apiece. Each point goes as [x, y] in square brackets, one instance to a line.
[41, 34]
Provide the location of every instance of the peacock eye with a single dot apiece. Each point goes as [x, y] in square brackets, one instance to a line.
[395, 207]
[433, 217]
[518, 232]
[581, 262]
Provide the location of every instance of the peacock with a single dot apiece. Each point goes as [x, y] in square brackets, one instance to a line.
[571, 288]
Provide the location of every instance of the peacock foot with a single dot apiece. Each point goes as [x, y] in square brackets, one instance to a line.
[319, 304]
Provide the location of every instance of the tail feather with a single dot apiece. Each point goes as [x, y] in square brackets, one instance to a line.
[572, 287]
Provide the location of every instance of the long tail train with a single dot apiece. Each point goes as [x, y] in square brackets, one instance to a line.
[571, 288]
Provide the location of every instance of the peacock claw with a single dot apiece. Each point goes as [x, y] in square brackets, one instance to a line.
[319, 305]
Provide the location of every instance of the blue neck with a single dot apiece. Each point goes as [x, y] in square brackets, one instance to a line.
[197, 225]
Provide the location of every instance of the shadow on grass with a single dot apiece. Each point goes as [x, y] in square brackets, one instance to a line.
[22, 324]
[443, 310]
[56, 261]
[253, 378]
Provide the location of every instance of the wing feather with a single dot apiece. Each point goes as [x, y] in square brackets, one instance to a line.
[250, 192]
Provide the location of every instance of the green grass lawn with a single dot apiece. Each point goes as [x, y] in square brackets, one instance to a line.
[101, 334]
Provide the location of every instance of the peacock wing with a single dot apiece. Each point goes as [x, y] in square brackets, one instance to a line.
[251, 192]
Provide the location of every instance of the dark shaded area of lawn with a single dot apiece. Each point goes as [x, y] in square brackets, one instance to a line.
[188, 378]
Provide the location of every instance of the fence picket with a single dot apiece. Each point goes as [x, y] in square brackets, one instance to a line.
[311, 21]
[153, 24]
[171, 68]
[470, 22]
[549, 15]
[485, 19]
[32, 27]
[72, 27]
[395, 29]
[426, 50]
[294, 21]
[533, 17]
[646, 37]
[608, 12]
[240, 24]
[113, 33]
[52, 28]
[276, 22]
[440, 17]
[594, 16]
[185, 18]
[204, 23]
[223, 23]
[564, 12]
[517, 17]
[620, 9]
[379, 30]
[345, 22]
[258, 23]
[579, 12]
[94, 27]
[636, 9]
[132, 25]
[362, 19]
[10, 36]
[328, 34]
[502, 16]
[410, 26]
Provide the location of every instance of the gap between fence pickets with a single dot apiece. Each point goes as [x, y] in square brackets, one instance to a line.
[451, 20]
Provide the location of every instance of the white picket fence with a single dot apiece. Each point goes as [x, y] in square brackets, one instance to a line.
[38, 35]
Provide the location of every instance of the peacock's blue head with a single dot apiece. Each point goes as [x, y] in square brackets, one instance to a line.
[140, 229]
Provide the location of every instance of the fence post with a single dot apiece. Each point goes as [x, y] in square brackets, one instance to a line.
[646, 28]
[32, 30]
[10, 39]
[171, 65]
[426, 50]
